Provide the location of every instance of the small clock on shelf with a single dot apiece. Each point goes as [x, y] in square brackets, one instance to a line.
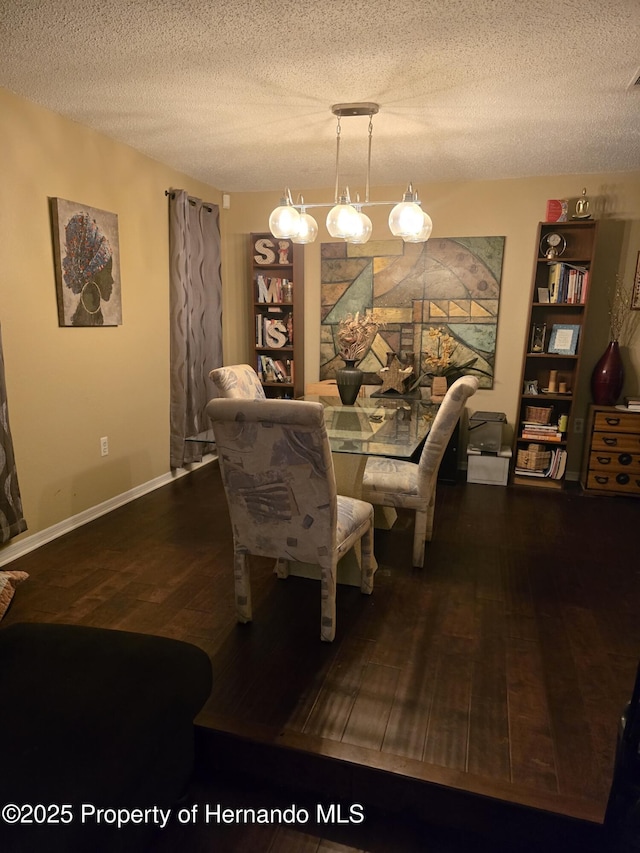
[552, 246]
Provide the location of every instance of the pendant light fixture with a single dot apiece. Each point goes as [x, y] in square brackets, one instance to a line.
[345, 220]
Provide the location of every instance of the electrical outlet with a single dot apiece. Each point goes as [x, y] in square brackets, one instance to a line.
[104, 446]
[578, 425]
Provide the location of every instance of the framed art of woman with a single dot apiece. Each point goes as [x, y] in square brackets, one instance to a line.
[87, 268]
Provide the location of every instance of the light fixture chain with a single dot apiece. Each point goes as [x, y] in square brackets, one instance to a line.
[366, 190]
[337, 161]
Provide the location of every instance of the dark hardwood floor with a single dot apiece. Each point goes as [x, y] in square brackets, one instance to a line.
[484, 689]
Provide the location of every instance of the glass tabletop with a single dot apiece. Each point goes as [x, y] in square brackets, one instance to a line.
[377, 426]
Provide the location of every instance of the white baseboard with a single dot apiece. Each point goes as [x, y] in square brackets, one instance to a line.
[30, 543]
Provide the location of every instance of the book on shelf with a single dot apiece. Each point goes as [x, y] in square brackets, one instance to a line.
[537, 436]
[541, 432]
[274, 370]
[568, 283]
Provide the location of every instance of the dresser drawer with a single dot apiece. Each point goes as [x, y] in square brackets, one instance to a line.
[621, 482]
[614, 422]
[616, 442]
[605, 460]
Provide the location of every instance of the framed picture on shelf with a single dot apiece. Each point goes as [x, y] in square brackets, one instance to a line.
[538, 335]
[564, 339]
[543, 294]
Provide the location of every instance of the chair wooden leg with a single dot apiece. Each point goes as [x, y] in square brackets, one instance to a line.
[420, 537]
[242, 587]
[328, 602]
[368, 564]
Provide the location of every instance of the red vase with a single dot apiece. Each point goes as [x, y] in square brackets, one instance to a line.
[607, 378]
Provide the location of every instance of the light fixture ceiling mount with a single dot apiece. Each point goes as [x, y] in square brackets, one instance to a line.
[345, 220]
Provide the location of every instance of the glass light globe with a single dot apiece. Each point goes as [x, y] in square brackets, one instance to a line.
[365, 229]
[425, 232]
[342, 220]
[307, 229]
[284, 221]
[406, 219]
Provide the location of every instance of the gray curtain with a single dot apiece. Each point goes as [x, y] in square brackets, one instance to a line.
[11, 518]
[196, 319]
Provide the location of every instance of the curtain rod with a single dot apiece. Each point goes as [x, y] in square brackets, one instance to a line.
[208, 206]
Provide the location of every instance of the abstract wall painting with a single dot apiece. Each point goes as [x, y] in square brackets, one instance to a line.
[452, 284]
[87, 264]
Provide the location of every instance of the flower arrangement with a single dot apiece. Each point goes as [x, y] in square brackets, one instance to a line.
[623, 321]
[355, 335]
[439, 359]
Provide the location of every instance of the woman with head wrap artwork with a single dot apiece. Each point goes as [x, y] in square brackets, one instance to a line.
[87, 268]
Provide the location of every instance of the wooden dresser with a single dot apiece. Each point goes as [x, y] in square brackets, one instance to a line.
[612, 459]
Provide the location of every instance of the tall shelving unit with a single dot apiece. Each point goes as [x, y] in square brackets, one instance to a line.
[277, 314]
[540, 456]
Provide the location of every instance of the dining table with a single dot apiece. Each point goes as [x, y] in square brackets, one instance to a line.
[391, 426]
[388, 425]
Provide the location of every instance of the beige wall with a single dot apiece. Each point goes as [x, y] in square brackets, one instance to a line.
[509, 208]
[67, 387]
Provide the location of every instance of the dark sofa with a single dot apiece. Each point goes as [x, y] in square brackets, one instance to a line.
[93, 718]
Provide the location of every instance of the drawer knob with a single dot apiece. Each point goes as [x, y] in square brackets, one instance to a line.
[604, 460]
[610, 442]
[623, 479]
[625, 459]
[613, 421]
[602, 480]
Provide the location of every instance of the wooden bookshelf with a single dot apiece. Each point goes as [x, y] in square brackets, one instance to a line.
[551, 360]
[277, 314]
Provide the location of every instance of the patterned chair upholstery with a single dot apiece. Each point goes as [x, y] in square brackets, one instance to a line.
[239, 381]
[395, 483]
[278, 477]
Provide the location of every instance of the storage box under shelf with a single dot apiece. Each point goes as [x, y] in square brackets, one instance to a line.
[492, 469]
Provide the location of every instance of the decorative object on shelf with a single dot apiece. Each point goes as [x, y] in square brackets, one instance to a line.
[530, 387]
[345, 220]
[583, 206]
[355, 336]
[564, 339]
[557, 209]
[607, 378]
[538, 335]
[552, 246]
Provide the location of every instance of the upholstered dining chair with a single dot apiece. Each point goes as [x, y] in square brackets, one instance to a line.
[238, 381]
[396, 483]
[279, 481]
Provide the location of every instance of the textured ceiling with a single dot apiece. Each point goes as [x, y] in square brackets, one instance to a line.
[237, 93]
